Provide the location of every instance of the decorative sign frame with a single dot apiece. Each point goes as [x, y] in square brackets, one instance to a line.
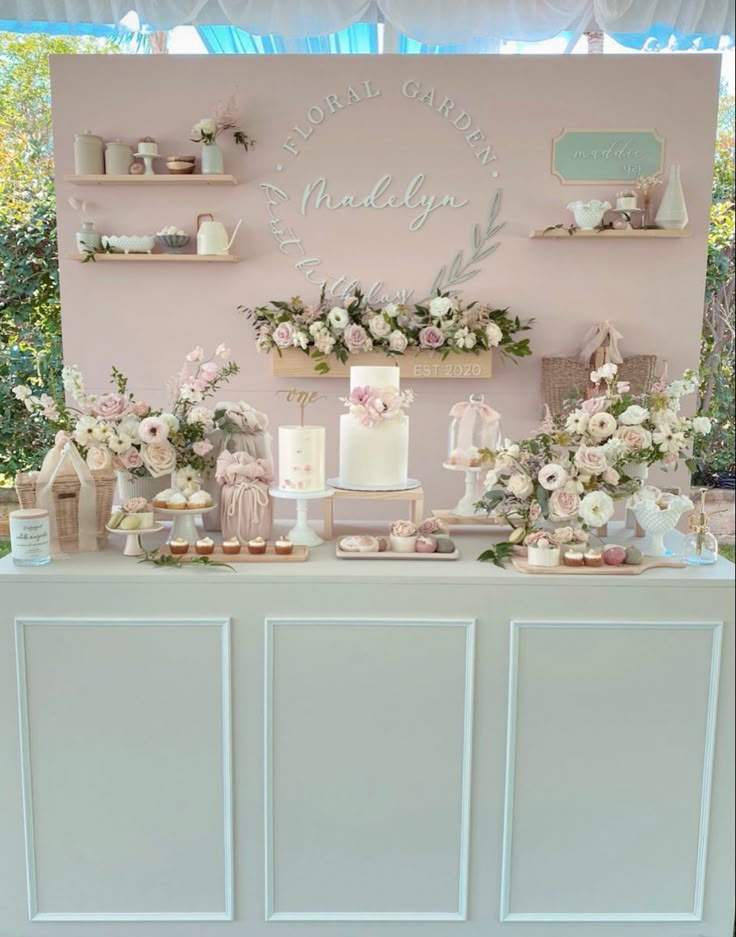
[413, 365]
[593, 157]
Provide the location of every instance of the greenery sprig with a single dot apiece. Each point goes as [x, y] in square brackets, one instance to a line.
[170, 561]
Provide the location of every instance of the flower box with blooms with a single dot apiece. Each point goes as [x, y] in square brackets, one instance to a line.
[573, 469]
[332, 335]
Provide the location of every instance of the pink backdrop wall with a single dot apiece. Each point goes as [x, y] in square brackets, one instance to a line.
[144, 318]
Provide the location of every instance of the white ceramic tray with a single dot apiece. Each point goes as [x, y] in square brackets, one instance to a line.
[391, 555]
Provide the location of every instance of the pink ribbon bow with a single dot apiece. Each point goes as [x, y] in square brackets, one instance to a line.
[488, 414]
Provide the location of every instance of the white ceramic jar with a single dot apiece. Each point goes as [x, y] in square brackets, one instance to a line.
[543, 556]
[30, 543]
[89, 157]
[118, 158]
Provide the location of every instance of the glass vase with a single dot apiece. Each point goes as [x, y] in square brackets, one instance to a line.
[212, 162]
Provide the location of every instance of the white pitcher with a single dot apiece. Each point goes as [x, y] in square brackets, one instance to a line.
[212, 237]
[588, 214]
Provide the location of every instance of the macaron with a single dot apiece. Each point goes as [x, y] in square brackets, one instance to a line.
[445, 545]
[633, 556]
[130, 522]
[614, 555]
[115, 520]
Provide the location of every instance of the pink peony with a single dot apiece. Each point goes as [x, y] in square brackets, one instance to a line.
[591, 460]
[359, 395]
[202, 447]
[594, 405]
[431, 337]
[403, 529]
[563, 505]
[283, 335]
[356, 338]
[109, 406]
[159, 458]
[140, 408]
[209, 371]
[153, 429]
[128, 460]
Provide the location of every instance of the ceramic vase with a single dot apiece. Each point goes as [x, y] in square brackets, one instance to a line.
[658, 520]
[134, 486]
[212, 162]
[672, 211]
[588, 215]
[87, 238]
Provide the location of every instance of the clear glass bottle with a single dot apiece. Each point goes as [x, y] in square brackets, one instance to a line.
[474, 426]
[700, 547]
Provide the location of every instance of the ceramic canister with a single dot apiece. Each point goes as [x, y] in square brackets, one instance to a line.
[89, 159]
[118, 158]
[29, 537]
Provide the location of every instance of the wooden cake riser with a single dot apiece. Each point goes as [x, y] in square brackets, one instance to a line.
[298, 555]
[650, 562]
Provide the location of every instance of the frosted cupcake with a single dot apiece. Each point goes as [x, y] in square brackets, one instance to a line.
[177, 502]
[283, 547]
[179, 546]
[257, 545]
[231, 546]
[199, 500]
[205, 546]
[161, 500]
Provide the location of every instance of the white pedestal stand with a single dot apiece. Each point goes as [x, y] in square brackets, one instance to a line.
[302, 534]
[184, 527]
[133, 546]
[466, 505]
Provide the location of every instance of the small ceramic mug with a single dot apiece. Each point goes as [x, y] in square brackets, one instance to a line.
[403, 544]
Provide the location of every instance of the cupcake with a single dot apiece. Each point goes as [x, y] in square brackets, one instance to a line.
[177, 502]
[572, 558]
[257, 545]
[593, 557]
[283, 546]
[205, 546]
[161, 500]
[231, 546]
[178, 546]
[198, 500]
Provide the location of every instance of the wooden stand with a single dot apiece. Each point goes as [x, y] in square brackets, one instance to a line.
[415, 497]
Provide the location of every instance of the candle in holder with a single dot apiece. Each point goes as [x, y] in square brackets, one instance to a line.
[301, 449]
[29, 537]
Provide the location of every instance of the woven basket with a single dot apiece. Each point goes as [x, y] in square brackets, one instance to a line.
[66, 504]
[566, 378]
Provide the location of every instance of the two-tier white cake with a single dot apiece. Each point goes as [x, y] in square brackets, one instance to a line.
[374, 455]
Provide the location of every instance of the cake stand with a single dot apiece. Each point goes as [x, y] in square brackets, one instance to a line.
[148, 159]
[466, 505]
[133, 545]
[302, 534]
[184, 526]
[408, 485]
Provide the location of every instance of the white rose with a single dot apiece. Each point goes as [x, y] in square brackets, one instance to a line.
[129, 427]
[591, 460]
[392, 310]
[702, 425]
[661, 418]
[378, 326]
[601, 425]
[397, 341]
[171, 421]
[338, 318]
[520, 486]
[159, 458]
[99, 457]
[201, 416]
[493, 334]
[633, 415]
[596, 508]
[440, 306]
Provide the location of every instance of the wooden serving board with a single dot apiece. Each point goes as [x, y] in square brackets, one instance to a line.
[460, 521]
[298, 555]
[292, 362]
[391, 555]
[652, 562]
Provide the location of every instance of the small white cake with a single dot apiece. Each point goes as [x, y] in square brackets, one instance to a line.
[147, 149]
[302, 458]
[374, 456]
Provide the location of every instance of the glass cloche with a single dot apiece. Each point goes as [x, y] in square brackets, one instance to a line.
[473, 426]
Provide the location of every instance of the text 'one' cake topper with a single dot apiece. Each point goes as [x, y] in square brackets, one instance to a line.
[301, 397]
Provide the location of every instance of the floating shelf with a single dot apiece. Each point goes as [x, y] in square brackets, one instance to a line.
[159, 258]
[162, 179]
[624, 233]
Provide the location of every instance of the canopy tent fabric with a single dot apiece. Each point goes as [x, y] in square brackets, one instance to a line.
[433, 22]
[361, 38]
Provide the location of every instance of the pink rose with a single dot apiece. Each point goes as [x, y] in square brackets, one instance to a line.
[140, 408]
[159, 458]
[611, 476]
[433, 525]
[128, 460]
[591, 460]
[209, 371]
[563, 505]
[153, 430]
[109, 406]
[562, 535]
[634, 437]
[135, 505]
[431, 337]
[535, 511]
[356, 338]
[594, 405]
[283, 335]
[538, 538]
[202, 447]
[403, 529]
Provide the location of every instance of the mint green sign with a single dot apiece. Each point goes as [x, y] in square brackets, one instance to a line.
[598, 156]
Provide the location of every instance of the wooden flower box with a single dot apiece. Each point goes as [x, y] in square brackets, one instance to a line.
[413, 365]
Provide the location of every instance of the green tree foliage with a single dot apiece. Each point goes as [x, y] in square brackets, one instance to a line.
[30, 321]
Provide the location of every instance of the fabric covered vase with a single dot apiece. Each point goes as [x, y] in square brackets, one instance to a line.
[246, 510]
[244, 430]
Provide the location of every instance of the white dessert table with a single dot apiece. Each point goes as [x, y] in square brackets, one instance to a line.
[302, 534]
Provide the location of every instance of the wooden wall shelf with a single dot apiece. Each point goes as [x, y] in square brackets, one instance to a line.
[162, 179]
[159, 258]
[559, 233]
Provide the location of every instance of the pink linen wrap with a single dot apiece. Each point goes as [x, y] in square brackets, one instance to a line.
[245, 505]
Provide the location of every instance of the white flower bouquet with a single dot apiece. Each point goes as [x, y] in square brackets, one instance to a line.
[442, 324]
[573, 469]
[208, 129]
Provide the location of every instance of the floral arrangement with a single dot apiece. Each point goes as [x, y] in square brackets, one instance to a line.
[442, 324]
[208, 129]
[136, 506]
[404, 529]
[572, 470]
[115, 430]
[373, 405]
[645, 186]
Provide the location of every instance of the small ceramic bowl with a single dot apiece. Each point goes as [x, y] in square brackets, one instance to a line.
[179, 167]
[174, 242]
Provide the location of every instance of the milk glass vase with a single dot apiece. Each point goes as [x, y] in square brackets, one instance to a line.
[212, 162]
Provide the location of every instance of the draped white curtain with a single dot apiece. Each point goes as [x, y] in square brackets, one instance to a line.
[428, 21]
